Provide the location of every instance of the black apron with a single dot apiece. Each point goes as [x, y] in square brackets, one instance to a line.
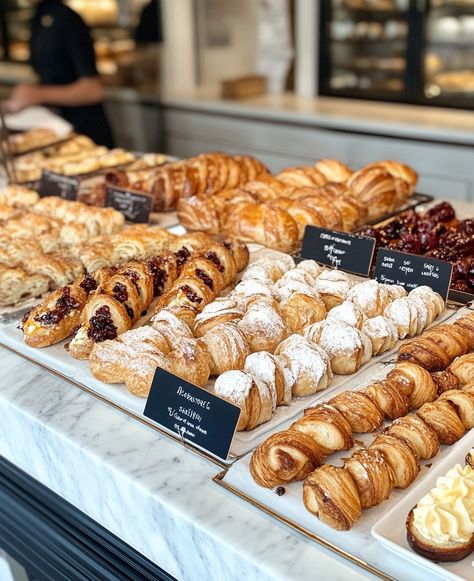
[61, 53]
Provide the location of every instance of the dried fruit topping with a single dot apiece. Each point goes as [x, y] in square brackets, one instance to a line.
[212, 256]
[191, 295]
[120, 292]
[88, 283]
[182, 256]
[64, 305]
[101, 325]
[206, 279]
[159, 274]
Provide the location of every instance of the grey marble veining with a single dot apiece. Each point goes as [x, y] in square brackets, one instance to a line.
[145, 488]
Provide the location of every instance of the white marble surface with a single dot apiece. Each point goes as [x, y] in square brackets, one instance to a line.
[149, 491]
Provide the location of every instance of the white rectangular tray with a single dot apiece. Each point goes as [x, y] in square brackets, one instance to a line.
[390, 530]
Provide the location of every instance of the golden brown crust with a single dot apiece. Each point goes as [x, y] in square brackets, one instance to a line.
[331, 494]
[393, 402]
[463, 368]
[362, 413]
[415, 382]
[463, 403]
[401, 457]
[442, 417]
[373, 476]
[227, 348]
[413, 430]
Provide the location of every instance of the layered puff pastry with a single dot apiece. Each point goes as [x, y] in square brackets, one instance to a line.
[274, 211]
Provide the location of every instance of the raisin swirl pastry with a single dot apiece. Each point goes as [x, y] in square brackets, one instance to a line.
[122, 289]
[285, 457]
[164, 271]
[55, 318]
[331, 494]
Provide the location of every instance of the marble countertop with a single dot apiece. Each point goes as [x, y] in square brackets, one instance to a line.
[143, 487]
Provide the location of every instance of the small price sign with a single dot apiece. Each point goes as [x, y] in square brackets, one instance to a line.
[55, 184]
[136, 207]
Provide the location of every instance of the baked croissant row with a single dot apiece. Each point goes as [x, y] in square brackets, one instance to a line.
[337, 496]
[274, 211]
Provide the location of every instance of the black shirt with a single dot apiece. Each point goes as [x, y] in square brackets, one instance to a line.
[61, 53]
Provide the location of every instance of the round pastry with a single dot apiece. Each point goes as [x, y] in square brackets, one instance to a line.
[308, 364]
[263, 325]
[333, 286]
[373, 476]
[284, 457]
[267, 368]
[400, 456]
[362, 413]
[226, 346]
[370, 296]
[311, 267]
[331, 494]
[414, 431]
[300, 310]
[344, 345]
[382, 333]
[348, 313]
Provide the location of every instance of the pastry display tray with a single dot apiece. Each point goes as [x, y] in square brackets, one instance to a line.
[390, 530]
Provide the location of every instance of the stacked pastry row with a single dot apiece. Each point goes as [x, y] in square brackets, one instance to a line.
[38, 137]
[274, 211]
[391, 461]
[441, 526]
[409, 386]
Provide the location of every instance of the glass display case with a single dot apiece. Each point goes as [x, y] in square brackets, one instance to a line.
[411, 51]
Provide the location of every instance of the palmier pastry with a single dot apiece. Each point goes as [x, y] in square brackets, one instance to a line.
[308, 364]
[415, 382]
[373, 476]
[222, 310]
[463, 403]
[327, 427]
[251, 395]
[392, 401]
[263, 325]
[331, 494]
[440, 526]
[400, 456]
[413, 430]
[347, 313]
[361, 412]
[382, 334]
[227, 348]
[267, 368]
[55, 318]
[333, 286]
[463, 368]
[442, 417]
[300, 310]
[189, 360]
[284, 457]
[102, 318]
[333, 170]
[346, 346]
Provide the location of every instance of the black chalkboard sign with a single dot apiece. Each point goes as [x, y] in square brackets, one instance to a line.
[134, 206]
[341, 250]
[197, 416]
[410, 271]
[55, 184]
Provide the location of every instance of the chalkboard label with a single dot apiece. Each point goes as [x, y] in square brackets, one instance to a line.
[410, 271]
[340, 250]
[195, 415]
[55, 184]
[134, 206]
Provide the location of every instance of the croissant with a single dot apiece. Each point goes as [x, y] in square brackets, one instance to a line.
[333, 170]
[304, 215]
[309, 365]
[227, 348]
[393, 402]
[426, 352]
[141, 372]
[415, 382]
[267, 368]
[266, 188]
[414, 431]
[199, 213]
[297, 177]
[376, 189]
[463, 403]
[170, 326]
[267, 225]
[252, 396]
[285, 457]
[400, 456]
[442, 417]
[206, 271]
[361, 412]
[222, 310]
[263, 325]
[399, 170]
[327, 427]
[466, 325]
[333, 286]
[55, 318]
[349, 314]
[331, 494]
[329, 211]
[373, 476]
[352, 212]
[189, 360]
[382, 334]
[370, 296]
[300, 310]
[463, 369]
[239, 251]
[444, 381]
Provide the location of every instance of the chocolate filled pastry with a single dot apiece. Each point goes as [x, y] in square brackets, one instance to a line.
[102, 318]
[227, 348]
[268, 368]
[440, 526]
[392, 401]
[415, 382]
[55, 318]
[413, 430]
[401, 457]
[331, 494]
[252, 396]
[284, 457]
[463, 403]
[373, 476]
[361, 412]
[327, 427]
[442, 417]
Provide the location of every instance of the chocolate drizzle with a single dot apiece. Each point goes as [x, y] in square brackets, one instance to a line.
[101, 326]
[64, 305]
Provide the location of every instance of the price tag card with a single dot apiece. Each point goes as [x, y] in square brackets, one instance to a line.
[134, 206]
[340, 250]
[197, 416]
[410, 271]
[55, 184]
